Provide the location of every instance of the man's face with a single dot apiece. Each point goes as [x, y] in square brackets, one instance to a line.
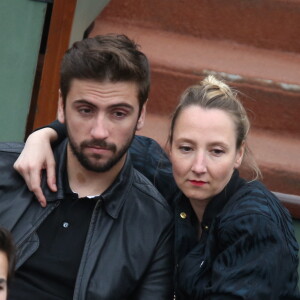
[101, 120]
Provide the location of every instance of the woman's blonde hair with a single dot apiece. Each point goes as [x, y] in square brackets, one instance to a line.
[214, 93]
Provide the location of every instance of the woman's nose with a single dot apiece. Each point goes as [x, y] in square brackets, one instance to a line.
[199, 163]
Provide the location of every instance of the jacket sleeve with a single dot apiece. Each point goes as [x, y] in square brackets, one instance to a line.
[150, 159]
[14, 194]
[254, 261]
[60, 129]
[157, 283]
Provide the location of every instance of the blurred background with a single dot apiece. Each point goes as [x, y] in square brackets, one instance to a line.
[253, 45]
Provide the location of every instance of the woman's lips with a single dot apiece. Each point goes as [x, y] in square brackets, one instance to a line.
[197, 182]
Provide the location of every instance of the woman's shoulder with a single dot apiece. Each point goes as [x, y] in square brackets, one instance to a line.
[255, 211]
[254, 198]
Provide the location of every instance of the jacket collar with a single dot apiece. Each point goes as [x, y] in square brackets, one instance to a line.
[186, 221]
[217, 203]
[112, 199]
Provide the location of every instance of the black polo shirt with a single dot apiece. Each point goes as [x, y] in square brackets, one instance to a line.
[50, 273]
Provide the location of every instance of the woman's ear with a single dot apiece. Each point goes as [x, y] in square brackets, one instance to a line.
[60, 108]
[239, 155]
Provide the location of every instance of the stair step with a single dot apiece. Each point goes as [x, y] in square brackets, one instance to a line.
[277, 156]
[270, 24]
[268, 80]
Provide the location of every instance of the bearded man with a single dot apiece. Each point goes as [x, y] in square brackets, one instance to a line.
[106, 233]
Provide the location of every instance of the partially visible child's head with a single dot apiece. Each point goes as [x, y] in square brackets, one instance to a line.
[7, 261]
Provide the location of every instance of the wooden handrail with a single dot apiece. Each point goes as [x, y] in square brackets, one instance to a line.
[57, 43]
[291, 202]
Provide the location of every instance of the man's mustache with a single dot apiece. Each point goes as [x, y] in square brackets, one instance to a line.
[99, 143]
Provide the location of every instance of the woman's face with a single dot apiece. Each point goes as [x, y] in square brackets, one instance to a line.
[203, 152]
[3, 275]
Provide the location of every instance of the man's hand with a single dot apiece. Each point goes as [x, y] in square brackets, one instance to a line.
[36, 156]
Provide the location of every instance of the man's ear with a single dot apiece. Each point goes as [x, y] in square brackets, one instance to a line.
[239, 155]
[60, 108]
[141, 120]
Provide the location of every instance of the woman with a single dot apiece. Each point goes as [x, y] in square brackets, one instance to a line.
[7, 258]
[230, 235]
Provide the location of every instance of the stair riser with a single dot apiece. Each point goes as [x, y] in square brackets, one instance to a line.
[270, 24]
[279, 180]
[269, 107]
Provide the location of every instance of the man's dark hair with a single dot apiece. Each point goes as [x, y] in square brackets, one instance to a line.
[112, 58]
[7, 247]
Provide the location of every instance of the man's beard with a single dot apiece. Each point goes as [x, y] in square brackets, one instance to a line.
[93, 165]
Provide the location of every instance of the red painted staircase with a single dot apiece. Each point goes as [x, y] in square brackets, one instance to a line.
[253, 45]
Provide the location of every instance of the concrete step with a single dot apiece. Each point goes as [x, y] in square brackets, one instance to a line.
[277, 155]
[270, 24]
[269, 81]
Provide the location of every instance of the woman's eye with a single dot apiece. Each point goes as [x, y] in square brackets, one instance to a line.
[185, 149]
[218, 152]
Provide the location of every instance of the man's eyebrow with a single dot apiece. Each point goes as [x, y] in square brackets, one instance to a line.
[124, 105]
[121, 104]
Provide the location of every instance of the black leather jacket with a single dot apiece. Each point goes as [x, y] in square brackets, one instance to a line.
[128, 249]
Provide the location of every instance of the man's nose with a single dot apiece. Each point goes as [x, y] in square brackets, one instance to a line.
[199, 163]
[100, 128]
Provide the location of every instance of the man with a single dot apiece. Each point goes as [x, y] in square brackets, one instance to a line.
[106, 233]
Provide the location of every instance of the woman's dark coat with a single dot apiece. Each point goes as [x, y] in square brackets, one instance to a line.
[247, 249]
